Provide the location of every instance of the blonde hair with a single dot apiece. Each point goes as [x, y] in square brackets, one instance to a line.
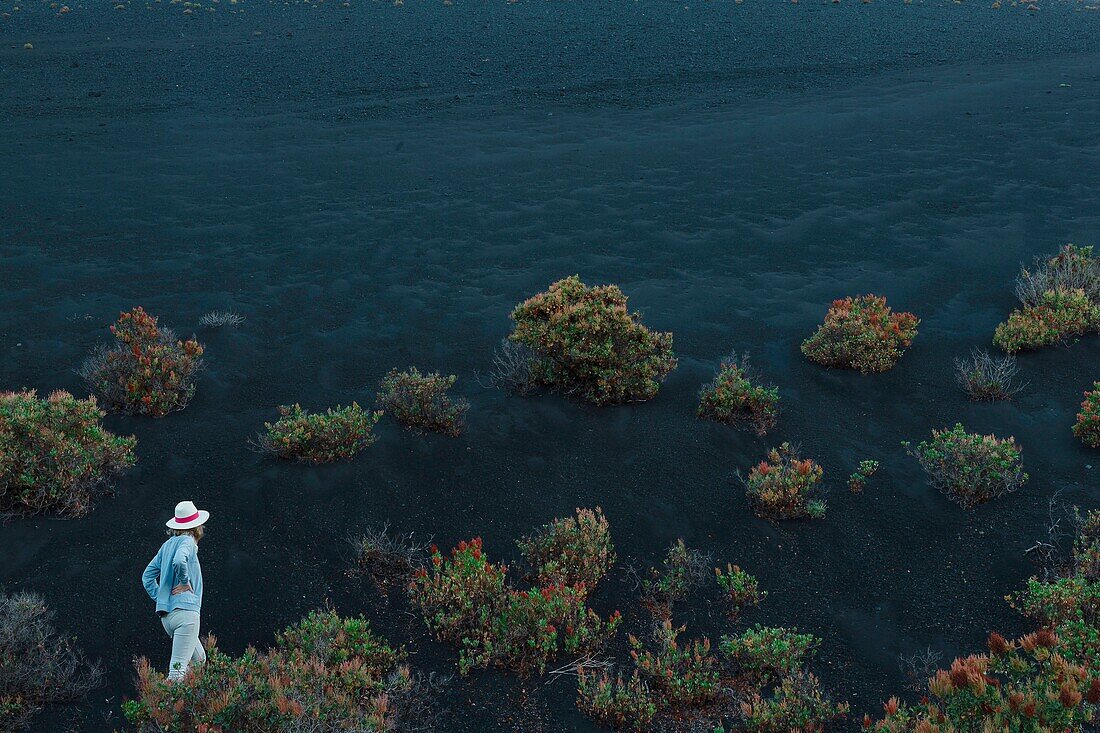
[195, 532]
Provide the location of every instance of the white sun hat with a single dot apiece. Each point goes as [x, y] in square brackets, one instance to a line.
[187, 516]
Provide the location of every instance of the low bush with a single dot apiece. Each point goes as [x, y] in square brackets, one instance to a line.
[1073, 268]
[1058, 315]
[1047, 680]
[681, 570]
[221, 319]
[574, 551]
[388, 559]
[466, 600]
[1087, 427]
[148, 371]
[420, 401]
[767, 653]
[55, 455]
[37, 666]
[1023, 685]
[336, 434]
[797, 703]
[680, 676]
[858, 480]
[970, 469]
[739, 589]
[861, 333]
[785, 486]
[614, 702]
[326, 674]
[587, 344]
[734, 397]
[986, 378]
[513, 369]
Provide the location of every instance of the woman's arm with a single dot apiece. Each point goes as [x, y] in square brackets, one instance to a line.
[180, 561]
[151, 577]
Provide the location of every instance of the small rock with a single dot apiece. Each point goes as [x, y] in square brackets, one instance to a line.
[28, 46]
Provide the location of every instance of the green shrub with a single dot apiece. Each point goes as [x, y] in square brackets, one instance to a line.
[37, 666]
[858, 480]
[338, 433]
[785, 486]
[574, 551]
[1058, 315]
[797, 703]
[681, 570]
[55, 455]
[586, 343]
[466, 600]
[326, 673]
[733, 397]
[420, 401]
[680, 676]
[766, 653]
[861, 333]
[148, 371]
[612, 701]
[1073, 268]
[739, 589]
[970, 469]
[1087, 427]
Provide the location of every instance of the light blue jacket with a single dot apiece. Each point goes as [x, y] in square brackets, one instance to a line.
[176, 563]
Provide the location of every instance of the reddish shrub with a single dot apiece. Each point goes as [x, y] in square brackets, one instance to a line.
[1087, 428]
[785, 486]
[1058, 315]
[733, 397]
[148, 371]
[575, 551]
[861, 333]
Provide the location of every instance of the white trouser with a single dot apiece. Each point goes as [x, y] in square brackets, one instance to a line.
[183, 627]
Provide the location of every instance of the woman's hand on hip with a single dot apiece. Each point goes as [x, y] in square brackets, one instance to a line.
[182, 588]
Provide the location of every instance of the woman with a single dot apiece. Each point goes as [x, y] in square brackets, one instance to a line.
[173, 579]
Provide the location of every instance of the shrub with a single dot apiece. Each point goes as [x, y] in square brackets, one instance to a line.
[148, 371]
[968, 468]
[326, 674]
[681, 570]
[465, 600]
[858, 480]
[221, 319]
[739, 589]
[1087, 428]
[765, 653]
[387, 559]
[785, 486]
[512, 370]
[734, 397]
[588, 344]
[1048, 680]
[861, 333]
[797, 703]
[985, 378]
[338, 433]
[575, 551]
[680, 676]
[55, 455]
[1073, 268]
[1058, 315]
[1068, 602]
[615, 702]
[1025, 685]
[37, 667]
[420, 401]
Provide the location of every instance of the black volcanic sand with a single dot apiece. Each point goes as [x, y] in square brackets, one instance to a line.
[377, 186]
